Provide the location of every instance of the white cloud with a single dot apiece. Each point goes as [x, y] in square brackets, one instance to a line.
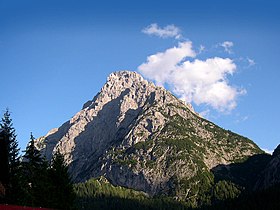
[160, 65]
[198, 81]
[242, 119]
[165, 32]
[201, 49]
[251, 62]
[227, 45]
[246, 62]
[205, 113]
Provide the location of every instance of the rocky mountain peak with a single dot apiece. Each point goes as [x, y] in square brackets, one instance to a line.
[141, 136]
[124, 76]
[120, 81]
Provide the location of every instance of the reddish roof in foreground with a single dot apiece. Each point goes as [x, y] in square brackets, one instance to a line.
[10, 207]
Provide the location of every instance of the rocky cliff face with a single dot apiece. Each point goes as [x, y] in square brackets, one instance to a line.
[140, 136]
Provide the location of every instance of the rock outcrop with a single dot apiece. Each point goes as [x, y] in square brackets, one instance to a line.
[141, 136]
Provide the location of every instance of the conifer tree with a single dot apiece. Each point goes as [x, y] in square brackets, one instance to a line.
[12, 144]
[9, 158]
[32, 155]
[4, 165]
[35, 175]
[63, 194]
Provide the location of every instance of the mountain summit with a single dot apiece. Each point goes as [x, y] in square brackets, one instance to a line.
[140, 136]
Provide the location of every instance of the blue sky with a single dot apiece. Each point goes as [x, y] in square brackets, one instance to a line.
[56, 55]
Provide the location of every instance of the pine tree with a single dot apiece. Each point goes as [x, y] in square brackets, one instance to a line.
[63, 194]
[35, 175]
[10, 158]
[32, 156]
[4, 165]
[12, 144]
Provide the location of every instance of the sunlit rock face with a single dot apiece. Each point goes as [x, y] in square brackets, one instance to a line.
[140, 136]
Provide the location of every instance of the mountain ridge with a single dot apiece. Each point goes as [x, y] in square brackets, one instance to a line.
[140, 136]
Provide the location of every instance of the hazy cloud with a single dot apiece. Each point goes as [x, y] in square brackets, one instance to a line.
[251, 62]
[241, 119]
[198, 81]
[227, 45]
[201, 49]
[205, 113]
[165, 32]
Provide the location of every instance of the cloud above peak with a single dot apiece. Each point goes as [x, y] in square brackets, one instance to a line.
[227, 45]
[160, 65]
[169, 31]
[197, 81]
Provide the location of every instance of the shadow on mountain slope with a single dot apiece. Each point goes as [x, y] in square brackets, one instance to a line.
[247, 175]
[244, 174]
[100, 134]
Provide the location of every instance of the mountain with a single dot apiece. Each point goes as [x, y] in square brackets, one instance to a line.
[140, 136]
[270, 175]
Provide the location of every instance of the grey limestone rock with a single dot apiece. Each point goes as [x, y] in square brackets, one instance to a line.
[141, 136]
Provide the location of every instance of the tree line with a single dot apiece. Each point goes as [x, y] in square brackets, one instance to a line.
[29, 179]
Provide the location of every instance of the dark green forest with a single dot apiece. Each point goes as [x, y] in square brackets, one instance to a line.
[31, 180]
[100, 194]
